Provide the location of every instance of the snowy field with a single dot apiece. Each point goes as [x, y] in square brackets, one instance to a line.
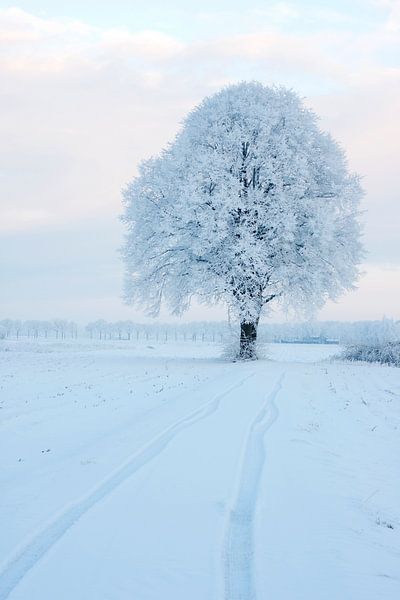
[162, 472]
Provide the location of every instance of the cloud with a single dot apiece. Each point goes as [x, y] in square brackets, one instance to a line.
[337, 52]
[144, 44]
[17, 21]
[392, 23]
[34, 43]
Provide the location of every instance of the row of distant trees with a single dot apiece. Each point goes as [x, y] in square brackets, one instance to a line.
[357, 332]
[343, 332]
[129, 330]
[118, 330]
[57, 328]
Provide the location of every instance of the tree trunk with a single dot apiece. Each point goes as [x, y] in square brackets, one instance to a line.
[248, 338]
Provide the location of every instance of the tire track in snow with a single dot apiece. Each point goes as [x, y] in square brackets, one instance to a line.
[238, 550]
[32, 551]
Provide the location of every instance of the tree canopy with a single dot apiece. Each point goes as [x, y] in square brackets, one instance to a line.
[251, 203]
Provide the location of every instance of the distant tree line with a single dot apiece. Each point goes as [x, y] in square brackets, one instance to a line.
[129, 330]
[57, 328]
[343, 332]
[367, 332]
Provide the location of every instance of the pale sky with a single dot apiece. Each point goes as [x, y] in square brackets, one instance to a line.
[90, 87]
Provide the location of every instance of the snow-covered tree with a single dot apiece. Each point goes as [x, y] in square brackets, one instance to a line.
[250, 204]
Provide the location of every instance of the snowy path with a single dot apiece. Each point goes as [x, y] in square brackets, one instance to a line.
[238, 548]
[26, 557]
[174, 460]
[181, 477]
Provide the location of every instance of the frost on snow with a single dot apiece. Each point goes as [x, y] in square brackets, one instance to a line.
[250, 203]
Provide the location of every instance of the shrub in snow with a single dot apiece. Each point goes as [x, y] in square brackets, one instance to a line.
[387, 353]
[250, 204]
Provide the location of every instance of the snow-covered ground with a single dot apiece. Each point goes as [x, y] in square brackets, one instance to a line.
[162, 472]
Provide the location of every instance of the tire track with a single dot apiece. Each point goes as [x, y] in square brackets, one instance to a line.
[238, 545]
[32, 551]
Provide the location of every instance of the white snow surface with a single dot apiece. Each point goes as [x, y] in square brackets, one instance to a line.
[149, 472]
